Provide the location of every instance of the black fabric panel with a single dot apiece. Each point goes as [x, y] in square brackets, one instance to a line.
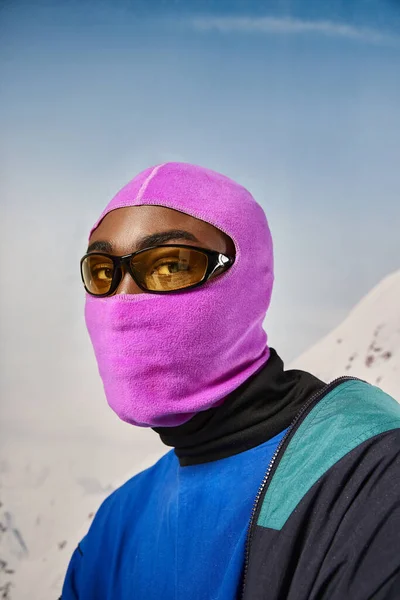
[259, 409]
[343, 540]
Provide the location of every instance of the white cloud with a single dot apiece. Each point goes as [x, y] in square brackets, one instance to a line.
[289, 25]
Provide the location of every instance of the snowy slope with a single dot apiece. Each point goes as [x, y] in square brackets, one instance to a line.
[366, 344]
[48, 494]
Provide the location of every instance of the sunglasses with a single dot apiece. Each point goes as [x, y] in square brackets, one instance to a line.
[157, 270]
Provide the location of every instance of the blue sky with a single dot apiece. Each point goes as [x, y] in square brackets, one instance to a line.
[299, 101]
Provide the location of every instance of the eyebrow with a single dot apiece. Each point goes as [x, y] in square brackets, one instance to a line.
[147, 241]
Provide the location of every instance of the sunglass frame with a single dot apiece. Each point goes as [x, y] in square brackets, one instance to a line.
[215, 260]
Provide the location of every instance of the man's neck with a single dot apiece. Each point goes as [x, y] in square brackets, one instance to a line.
[259, 409]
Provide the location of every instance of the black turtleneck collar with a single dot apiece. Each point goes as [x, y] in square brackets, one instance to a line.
[255, 412]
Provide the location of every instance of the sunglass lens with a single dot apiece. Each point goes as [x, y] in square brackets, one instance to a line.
[165, 269]
[97, 274]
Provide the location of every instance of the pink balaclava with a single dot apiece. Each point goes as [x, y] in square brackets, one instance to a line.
[164, 358]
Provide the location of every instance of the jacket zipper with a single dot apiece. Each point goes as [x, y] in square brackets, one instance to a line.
[262, 489]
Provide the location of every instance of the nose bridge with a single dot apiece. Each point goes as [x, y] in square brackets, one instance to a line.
[127, 284]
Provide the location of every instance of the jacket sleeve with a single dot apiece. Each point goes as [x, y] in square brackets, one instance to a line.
[362, 527]
[342, 541]
[356, 525]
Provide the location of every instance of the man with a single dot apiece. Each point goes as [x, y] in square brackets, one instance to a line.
[279, 486]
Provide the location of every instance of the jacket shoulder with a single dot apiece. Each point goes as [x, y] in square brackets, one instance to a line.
[348, 416]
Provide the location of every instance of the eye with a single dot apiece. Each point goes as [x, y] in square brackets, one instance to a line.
[102, 272]
[170, 267]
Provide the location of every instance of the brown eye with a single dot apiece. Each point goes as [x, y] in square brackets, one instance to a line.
[167, 269]
[97, 273]
[170, 268]
[103, 273]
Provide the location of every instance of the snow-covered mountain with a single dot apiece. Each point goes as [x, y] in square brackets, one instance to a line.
[49, 486]
[366, 344]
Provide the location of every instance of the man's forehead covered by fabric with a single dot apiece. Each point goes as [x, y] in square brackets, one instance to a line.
[204, 194]
[212, 338]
